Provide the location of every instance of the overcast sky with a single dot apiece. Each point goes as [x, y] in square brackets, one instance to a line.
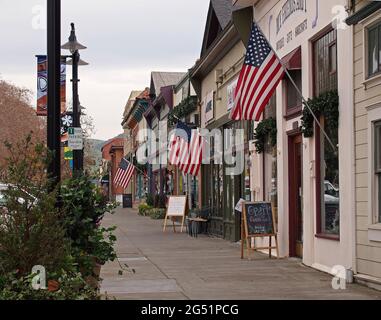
[126, 40]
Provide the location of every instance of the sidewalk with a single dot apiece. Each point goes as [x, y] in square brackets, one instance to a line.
[176, 266]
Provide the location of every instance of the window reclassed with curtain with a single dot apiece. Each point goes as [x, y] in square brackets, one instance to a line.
[374, 50]
[377, 168]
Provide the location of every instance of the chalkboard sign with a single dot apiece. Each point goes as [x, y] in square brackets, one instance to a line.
[127, 200]
[259, 219]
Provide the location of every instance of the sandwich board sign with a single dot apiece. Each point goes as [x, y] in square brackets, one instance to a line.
[177, 208]
[258, 221]
[75, 141]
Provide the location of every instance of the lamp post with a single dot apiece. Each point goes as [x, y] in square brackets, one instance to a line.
[54, 83]
[74, 46]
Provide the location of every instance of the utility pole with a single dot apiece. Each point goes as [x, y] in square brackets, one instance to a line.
[54, 84]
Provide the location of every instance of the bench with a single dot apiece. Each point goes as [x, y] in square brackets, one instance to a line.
[194, 225]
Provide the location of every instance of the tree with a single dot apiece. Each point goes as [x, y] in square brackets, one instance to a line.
[17, 117]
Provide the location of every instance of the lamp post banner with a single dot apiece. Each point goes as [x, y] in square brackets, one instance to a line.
[42, 85]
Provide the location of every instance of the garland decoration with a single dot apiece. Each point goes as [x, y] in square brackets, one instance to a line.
[265, 129]
[326, 104]
[184, 108]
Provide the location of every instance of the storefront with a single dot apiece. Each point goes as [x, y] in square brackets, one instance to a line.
[311, 175]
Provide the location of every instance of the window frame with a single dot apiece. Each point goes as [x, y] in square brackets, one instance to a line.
[368, 29]
[319, 232]
[294, 111]
[376, 173]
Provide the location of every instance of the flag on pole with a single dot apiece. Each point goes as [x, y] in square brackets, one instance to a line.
[260, 75]
[186, 149]
[124, 173]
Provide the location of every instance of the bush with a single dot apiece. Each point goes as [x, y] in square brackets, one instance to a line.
[160, 201]
[143, 208]
[84, 206]
[150, 200]
[70, 286]
[31, 232]
[66, 240]
[157, 213]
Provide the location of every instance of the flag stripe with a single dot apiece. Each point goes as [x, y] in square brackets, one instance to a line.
[260, 75]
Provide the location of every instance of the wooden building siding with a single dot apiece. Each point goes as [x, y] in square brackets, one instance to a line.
[368, 253]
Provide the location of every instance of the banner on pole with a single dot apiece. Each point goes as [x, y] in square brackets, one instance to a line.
[42, 85]
[68, 153]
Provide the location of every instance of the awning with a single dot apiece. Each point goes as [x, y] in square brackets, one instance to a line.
[137, 115]
[364, 12]
[293, 60]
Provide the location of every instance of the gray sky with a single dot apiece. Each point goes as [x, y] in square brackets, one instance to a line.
[126, 40]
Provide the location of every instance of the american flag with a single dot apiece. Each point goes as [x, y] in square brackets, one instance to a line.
[124, 173]
[186, 149]
[260, 75]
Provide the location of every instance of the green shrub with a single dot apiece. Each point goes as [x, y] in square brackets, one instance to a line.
[83, 208]
[143, 209]
[150, 200]
[160, 201]
[71, 286]
[32, 232]
[157, 213]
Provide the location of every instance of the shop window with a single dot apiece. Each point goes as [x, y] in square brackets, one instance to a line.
[325, 63]
[374, 50]
[294, 100]
[377, 169]
[327, 162]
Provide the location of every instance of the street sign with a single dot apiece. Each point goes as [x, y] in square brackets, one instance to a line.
[75, 138]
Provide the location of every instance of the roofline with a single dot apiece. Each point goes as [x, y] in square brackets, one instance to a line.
[229, 30]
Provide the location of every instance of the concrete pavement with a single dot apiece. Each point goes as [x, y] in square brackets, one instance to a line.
[162, 266]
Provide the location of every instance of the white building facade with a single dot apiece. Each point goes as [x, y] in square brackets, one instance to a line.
[314, 180]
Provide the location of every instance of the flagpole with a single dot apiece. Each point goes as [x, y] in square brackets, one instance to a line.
[300, 94]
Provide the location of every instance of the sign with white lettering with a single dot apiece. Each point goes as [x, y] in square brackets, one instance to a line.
[177, 208]
[209, 106]
[231, 93]
[75, 138]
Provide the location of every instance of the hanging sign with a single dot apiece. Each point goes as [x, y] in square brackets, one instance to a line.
[209, 106]
[231, 93]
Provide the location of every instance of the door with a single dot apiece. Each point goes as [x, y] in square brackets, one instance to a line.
[295, 196]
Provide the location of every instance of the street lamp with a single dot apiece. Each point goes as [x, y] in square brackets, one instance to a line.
[74, 46]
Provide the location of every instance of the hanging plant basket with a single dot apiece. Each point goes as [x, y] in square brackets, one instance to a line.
[326, 104]
[266, 129]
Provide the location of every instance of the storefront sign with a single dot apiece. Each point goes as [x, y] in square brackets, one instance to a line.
[231, 93]
[238, 206]
[257, 222]
[209, 106]
[288, 9]
[177, 207]
[259, 218]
